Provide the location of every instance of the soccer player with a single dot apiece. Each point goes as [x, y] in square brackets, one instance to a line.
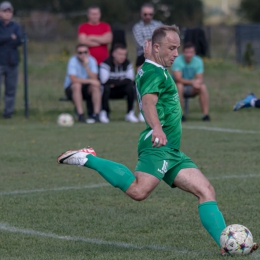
[159, 155]
[249, 101]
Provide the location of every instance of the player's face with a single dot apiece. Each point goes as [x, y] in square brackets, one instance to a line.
[188, 54]
[6, 15]
[119, 55]
[94, 15]
[82, 53]
[147, 14]
[167, 50]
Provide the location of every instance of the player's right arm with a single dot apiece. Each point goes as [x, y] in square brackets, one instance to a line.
[84, 39]
[149, 102]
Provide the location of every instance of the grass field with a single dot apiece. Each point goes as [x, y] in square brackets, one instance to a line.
[51, 211]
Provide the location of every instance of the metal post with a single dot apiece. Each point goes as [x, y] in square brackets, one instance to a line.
[25, 72]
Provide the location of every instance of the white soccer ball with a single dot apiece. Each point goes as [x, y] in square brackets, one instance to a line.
[236, 240]
[65, 119]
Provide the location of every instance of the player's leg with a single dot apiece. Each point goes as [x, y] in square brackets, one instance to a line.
[193, 181]
[77, 97]
[203, 99]
[249, 101]
[137, 186]
[94, 90]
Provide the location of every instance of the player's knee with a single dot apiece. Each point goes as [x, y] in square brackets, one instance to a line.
[207, 193]
[76, 87]
[139, 195]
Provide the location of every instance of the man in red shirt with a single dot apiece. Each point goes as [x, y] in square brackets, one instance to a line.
[95, 34]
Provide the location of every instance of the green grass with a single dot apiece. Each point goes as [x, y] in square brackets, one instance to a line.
[167, 219]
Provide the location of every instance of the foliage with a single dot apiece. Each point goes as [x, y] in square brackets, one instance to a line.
[250, 9]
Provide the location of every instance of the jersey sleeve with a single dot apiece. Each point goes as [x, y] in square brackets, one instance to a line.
[81, 29]
[200, 66]
[150, 82]
[106, 28]
[177, 65]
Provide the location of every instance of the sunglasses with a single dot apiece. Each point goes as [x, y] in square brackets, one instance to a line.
[82, 52]
[148, 14]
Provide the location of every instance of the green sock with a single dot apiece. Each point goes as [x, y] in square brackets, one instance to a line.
[212, 219]
[116, 174]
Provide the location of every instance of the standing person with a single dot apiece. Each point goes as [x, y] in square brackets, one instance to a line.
[188, 70]
[10, 39]
[159, 156]
[117, 78]
[82, 81]
[143, 30]
[95, 34]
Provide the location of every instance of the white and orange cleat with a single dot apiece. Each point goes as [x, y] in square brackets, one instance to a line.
[76, 157]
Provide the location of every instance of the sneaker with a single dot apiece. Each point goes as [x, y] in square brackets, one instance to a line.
[103, 117]
[76, 157]
[81, 118]
[254, 247]
[246, 102]
[206, 118]
[130, 117]
[93, 119]
[141, 118]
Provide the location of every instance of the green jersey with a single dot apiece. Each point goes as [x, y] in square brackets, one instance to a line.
[154, 78]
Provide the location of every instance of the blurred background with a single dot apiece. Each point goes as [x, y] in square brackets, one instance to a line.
[231, 29]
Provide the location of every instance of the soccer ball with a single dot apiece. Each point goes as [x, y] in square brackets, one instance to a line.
[65, 119]
[236, 240]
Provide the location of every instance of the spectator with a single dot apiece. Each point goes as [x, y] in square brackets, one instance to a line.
[143, 30]
[10, 39]
[188, 72]
[117, 78]
[81, 81]
[95, 34]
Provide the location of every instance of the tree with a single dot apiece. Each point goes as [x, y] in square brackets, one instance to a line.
[250, 9]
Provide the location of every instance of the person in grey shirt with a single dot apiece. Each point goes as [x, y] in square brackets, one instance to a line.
[10, 39]
[143, 30]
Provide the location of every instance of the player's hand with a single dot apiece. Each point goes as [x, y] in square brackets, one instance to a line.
[112, 85]
[158, 137]
[13, 36]
[86, 61]
[196, 83]
[94, 82]
[147, 48]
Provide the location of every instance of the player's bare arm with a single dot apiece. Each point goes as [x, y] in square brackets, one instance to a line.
[150, 113]
[75, 79]
[84, 39]
[106, 38]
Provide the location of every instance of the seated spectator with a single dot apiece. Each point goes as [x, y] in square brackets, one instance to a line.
[81, 81]
[117, 78]
[188, 72]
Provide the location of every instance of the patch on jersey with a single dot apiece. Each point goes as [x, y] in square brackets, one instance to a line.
[140, 72]
[176, 97]
[164, 168]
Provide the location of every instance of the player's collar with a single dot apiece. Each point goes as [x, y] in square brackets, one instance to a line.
[155, 64]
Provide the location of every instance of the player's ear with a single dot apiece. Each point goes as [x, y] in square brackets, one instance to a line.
[156, 47]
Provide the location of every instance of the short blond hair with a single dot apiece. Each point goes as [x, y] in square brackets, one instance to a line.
[160, 32]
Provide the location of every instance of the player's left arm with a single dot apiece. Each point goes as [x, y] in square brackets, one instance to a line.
[106, 38]
[199, 74]
[149, 102]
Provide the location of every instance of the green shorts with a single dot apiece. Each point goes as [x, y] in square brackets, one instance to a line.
[164, 163]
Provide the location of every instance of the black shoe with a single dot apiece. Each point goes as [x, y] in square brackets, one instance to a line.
[183, 119]
[206, 118]
[82, 118]
[93, 119]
